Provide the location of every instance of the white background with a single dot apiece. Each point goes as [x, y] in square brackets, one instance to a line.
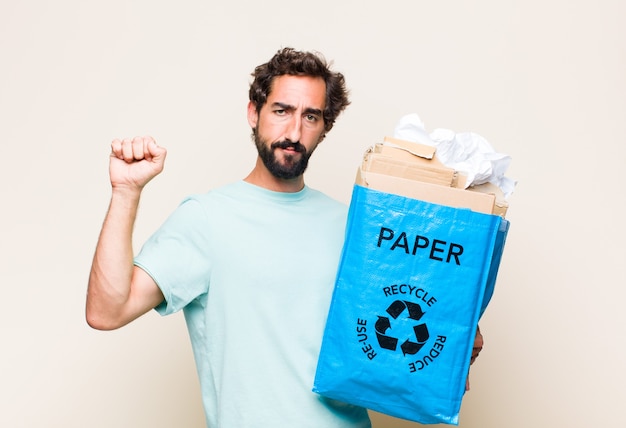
[543, 81]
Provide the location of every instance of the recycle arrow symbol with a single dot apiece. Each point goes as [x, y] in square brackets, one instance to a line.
[415, 310]
[421, 334]
[383, 324]
[398, 306]
[386, 342]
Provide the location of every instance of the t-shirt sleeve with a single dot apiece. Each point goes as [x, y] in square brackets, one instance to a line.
[176, 256]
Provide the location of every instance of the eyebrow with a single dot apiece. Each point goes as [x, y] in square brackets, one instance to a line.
[289, 107]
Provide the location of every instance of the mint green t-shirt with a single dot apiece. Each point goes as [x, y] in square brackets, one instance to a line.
[253, 270]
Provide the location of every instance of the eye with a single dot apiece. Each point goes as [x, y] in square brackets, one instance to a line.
[280, 112]
[311, 118]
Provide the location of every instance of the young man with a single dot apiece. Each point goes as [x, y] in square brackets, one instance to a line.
[252, 264]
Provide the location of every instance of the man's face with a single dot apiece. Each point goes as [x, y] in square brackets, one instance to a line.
[290, 124]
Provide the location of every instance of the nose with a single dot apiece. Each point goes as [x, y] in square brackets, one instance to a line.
[294, 129]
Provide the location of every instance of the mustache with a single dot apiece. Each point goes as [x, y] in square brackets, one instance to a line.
[299, 148]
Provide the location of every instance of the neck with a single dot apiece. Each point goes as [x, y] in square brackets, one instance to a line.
[260, 176]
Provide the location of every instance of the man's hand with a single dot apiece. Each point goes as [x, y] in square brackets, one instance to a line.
[478, 346]
[134, 162]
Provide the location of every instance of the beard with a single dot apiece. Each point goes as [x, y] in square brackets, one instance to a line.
[292, 166]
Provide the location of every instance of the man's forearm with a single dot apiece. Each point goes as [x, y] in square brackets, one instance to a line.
[112, 269]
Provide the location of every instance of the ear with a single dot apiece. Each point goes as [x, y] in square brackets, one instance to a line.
[253, 116]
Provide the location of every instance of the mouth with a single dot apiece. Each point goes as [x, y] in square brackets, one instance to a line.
[288, 146]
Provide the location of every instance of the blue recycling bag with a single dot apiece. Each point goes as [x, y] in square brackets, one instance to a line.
[413, 280]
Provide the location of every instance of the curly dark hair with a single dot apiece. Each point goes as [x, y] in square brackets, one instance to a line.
[289, 61]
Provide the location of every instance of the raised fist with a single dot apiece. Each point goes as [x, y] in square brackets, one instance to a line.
[134, 162]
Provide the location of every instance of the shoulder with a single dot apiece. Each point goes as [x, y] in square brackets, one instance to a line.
[323, 199]
[228, 191]
[325, 209]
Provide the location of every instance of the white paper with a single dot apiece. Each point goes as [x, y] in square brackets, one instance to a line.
[466, 152]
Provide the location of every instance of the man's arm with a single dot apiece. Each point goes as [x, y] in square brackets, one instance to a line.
[118, 292]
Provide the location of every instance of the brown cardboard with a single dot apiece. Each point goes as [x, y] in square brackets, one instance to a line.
[434, 193]
[416, 149]
[412, 169]
[419, 155]
[500, 206]
[382, 164]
